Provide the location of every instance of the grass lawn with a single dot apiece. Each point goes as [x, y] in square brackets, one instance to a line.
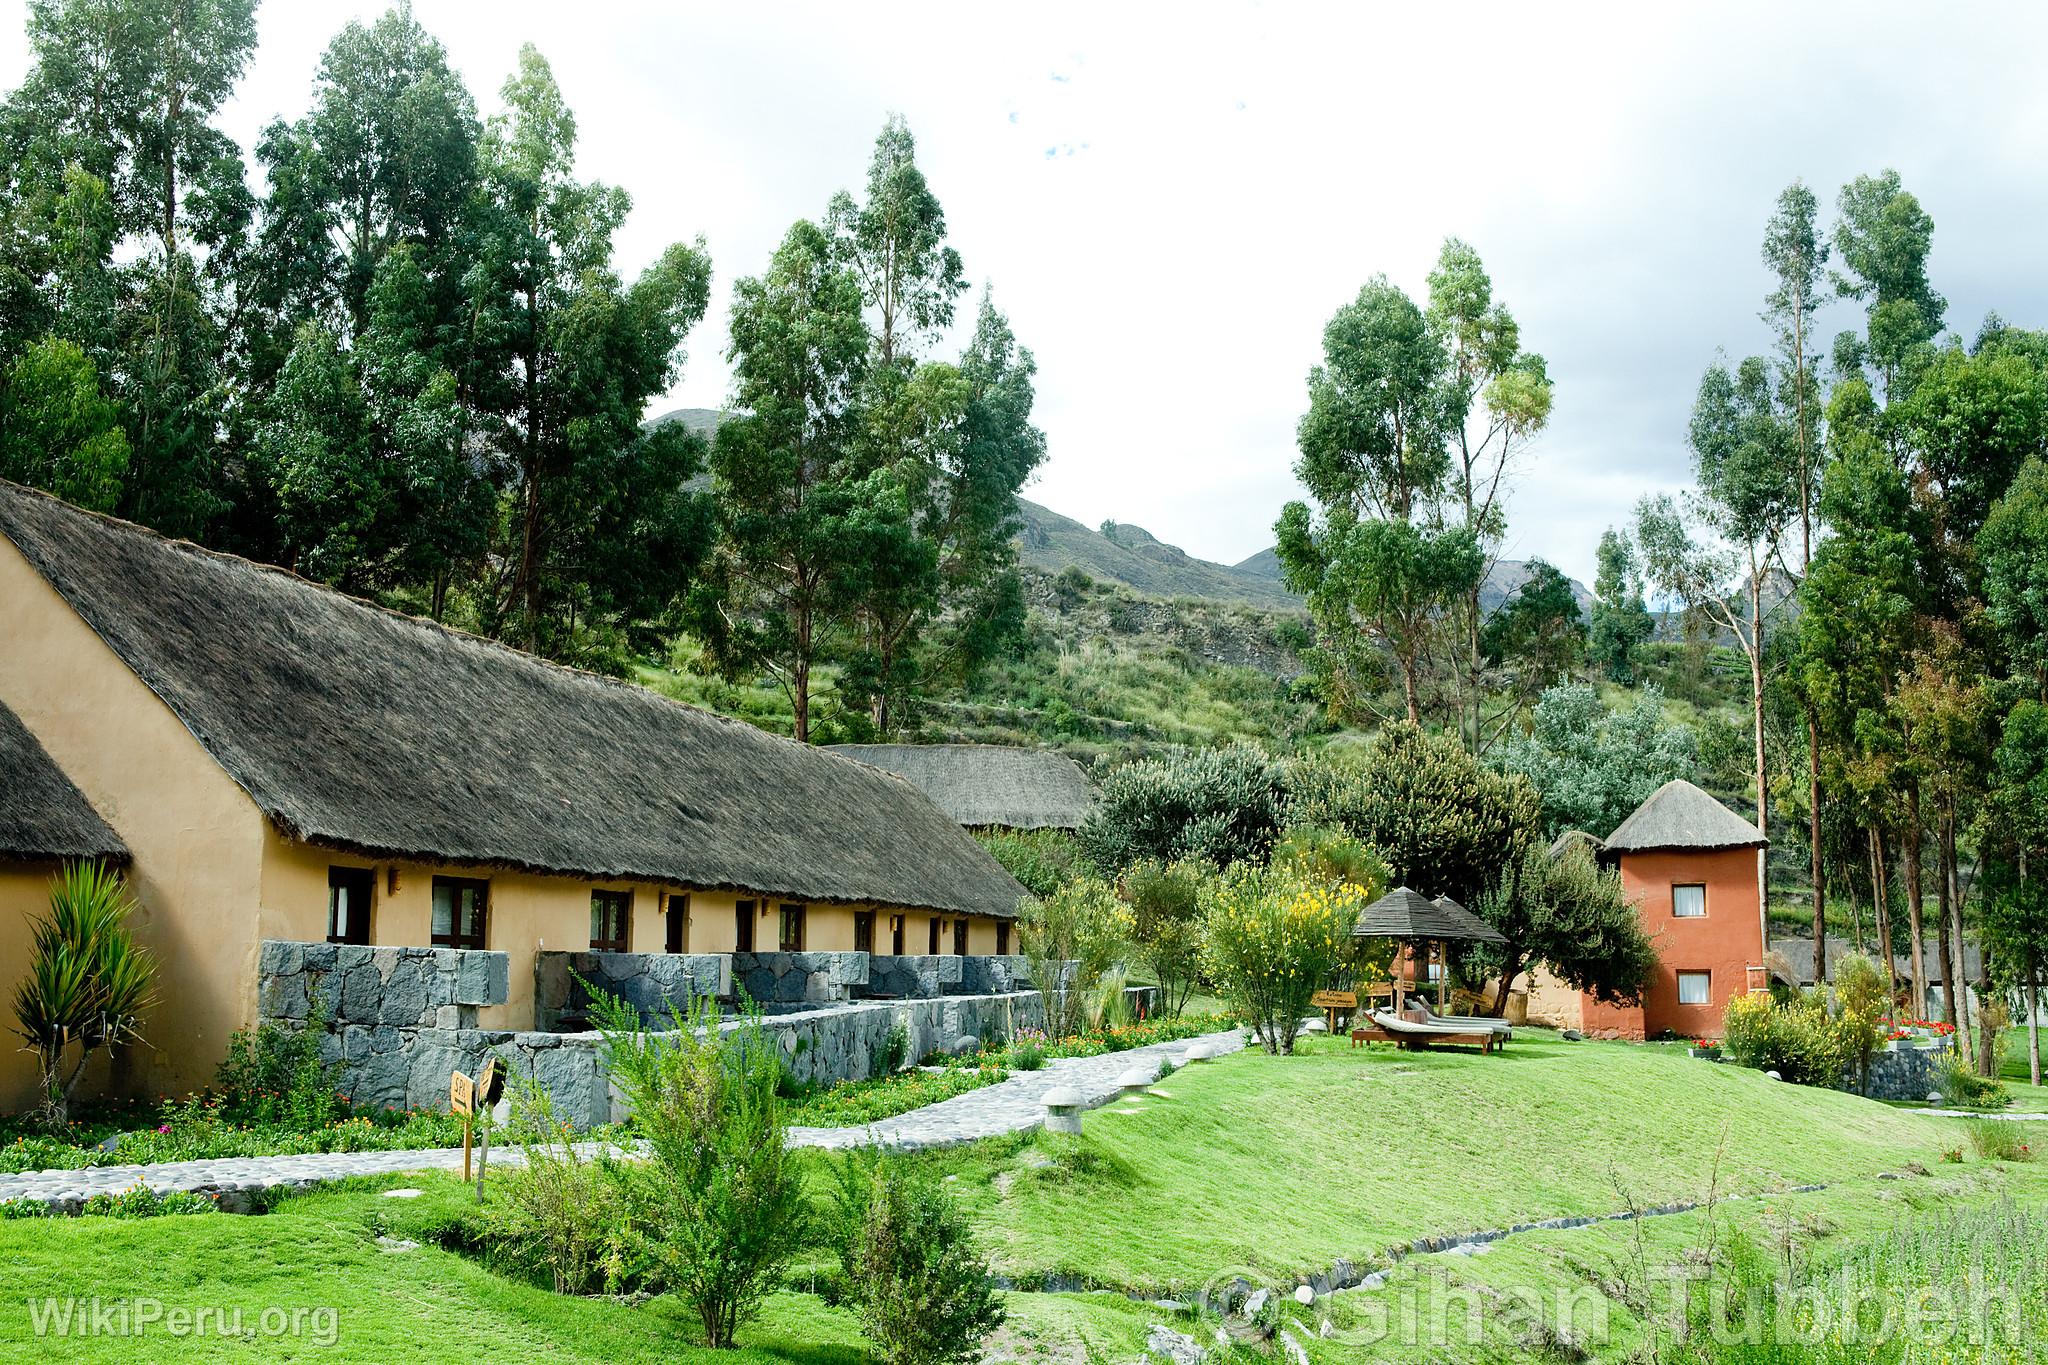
[1275, 1166]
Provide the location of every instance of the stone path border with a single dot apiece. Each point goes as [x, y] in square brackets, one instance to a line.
[1011, 1106]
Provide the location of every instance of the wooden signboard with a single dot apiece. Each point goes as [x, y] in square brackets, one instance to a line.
[1333, 1003]
[462, 1100]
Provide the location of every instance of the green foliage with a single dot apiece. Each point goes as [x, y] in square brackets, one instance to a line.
[58, 430]
[1997, 1140]
[718, 1207]
[1962, 1086]
[914, 1267]
[273, 1074]
[1797, 1039]
[1072, 938]
[1330, 857]
[889, 1093]
[2013, 550]
[88, 984]
[558, 1212]
[1221, 806]
[1042, 859]
[1539, 631]
[1620, 624]
[1593, 767]
[1271, 940]
[1571, 914]
[1443, 823]
[1166, 930]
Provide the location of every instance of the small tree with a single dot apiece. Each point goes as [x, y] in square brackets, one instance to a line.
[88, 984]
[1272, 940]
[1572, 914]
[719, 1207]
[914, 1271]
[1220, 805]
[1166, 912]
[1071, 938]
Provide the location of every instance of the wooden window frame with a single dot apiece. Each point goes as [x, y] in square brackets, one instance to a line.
[456, 937]
[960, 944]
[604, 900]
[933, 942]
[363, 878]
[1706, 976]
[1677, 887]
[864, 931]
[896, 933]
[1002, 938]
[743, 915]
[791, 912]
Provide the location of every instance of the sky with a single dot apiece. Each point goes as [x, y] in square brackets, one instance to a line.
[1169, 201]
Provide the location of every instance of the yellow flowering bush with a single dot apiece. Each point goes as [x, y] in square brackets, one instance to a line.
[1273, 939]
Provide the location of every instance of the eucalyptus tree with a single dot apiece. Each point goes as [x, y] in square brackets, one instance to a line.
[1376, 562]
[1496, 398]
[895, 243]
[786, 474]
[1796, 256]
[1718, 555]
[1620, 623]
[1883, 238]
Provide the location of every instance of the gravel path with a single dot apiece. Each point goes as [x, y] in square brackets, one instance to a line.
[1009, 1106]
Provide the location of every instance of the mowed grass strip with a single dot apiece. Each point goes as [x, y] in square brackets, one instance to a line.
[1282, 1165]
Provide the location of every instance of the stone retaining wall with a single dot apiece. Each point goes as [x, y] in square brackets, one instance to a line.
[358, 986]
[1911, 1073]
[799, 978]
[653, 983]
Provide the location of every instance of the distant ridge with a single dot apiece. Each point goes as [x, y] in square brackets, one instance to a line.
[1137, 559]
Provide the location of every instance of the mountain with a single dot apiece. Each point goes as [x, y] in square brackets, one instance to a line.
[1135, 558]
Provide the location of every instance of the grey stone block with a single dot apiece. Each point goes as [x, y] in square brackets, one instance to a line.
[317, 957]
[484, 978]
[284, 997]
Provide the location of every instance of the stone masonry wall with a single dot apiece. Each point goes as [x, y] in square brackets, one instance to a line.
[1911, 1073]
[356, 986]
[653, 983]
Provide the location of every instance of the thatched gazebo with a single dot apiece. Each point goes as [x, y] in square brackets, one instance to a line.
[1422, 924]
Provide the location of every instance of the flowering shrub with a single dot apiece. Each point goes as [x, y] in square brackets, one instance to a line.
[1274, 940]
[1797, 1039]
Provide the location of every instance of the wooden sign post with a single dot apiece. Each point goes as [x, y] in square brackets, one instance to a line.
[462, 1100]
[1333, 1003]
[490, 1084]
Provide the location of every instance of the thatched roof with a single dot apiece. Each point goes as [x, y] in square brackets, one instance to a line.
[43, 818]
[1679, 815]
[1575, 840]
[982, 785]
[1406, 914]
[366, 730]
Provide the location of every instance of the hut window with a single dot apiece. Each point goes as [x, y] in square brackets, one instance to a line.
[1689, 902]
[611, 921]
[743, 927]
[348, 904]
[460, 904]
[863, 931]
[792, 937]
[896, 935]
[1695, 988]
[678, 936]
[933, 950]
[960, 938]
[1002, 938]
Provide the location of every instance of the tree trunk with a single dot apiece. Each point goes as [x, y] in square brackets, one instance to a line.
[2034, 1021]
[1987, 1040]
[1510, 967]
[1820, 895]
[1909, 852]
[800, 679]
[1955, 910]
[1881, 911]
[1756, 702]
[1943, 939]
[1408, 689]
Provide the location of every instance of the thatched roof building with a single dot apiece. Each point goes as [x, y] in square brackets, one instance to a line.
[1679, 816]
[1575, 841]
[989, 785]
[385, 735]
[43, 817]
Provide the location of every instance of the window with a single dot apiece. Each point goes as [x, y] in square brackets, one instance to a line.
[1695, 988]
[460, 906]
[1689, 902]
[960, 938]
[743, 927]
[611, 916]
[933, 950]
[1002, 938]
[677, 939]
[348, 904]
[792, 936]
[896, 935]
[863, 931]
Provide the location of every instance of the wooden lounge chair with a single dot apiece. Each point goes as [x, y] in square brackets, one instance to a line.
[1411, 1034]
[1500, 1028]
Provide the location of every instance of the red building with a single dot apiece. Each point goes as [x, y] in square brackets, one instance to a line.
[1689, 863]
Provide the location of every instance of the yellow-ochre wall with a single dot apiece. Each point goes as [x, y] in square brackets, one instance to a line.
[196, 838]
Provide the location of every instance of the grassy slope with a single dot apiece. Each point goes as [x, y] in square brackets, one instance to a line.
[1279, 1165]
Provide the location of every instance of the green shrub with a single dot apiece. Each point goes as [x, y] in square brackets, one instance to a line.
[1798, 1040]
[1998, 1139]
[1862, 1003]
[1072, 937]
[1962, 1086]
[1272, 941]
[558, 1214]
[1042, 859]
[914, 1273]
[718, 1207]
[1221, 806]
[274, 1075]
[1166, 915]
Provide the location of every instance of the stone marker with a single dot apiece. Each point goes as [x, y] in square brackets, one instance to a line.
[1137, 1080]
[1200, 1052]
[1303, 1294]
[1063, 1109]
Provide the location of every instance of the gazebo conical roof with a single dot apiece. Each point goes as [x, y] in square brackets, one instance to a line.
[1406, 914]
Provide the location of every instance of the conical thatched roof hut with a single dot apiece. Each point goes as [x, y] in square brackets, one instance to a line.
[1409, 915]
[43, 817]
[1679, 816]
[984, 786]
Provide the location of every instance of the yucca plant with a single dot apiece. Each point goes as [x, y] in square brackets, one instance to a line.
[88, 982]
